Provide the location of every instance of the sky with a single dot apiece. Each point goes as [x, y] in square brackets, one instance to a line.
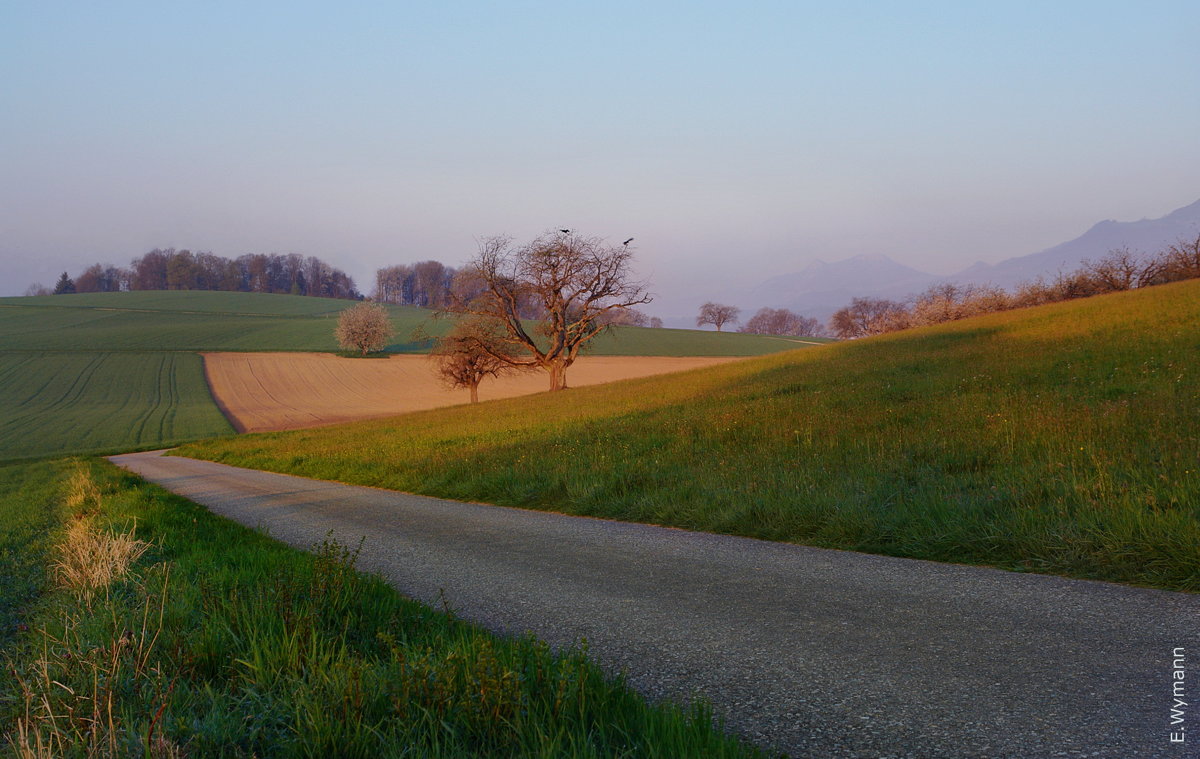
[734, 142]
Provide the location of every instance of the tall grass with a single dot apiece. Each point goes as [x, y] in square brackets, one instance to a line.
[1061, 438]
[220, 642]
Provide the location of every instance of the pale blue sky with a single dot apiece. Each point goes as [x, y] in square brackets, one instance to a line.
[734, 141]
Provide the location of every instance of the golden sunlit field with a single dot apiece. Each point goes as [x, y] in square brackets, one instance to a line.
[277, 391]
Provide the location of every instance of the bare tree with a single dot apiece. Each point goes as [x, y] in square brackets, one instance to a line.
[364, 327]
[655, 323]
[37, 288]
[626, 317]
[471, 351]
[780, 321]
[717, 314]
[1120, 269]
[570, 279]
[868, 316]
[1182, 260]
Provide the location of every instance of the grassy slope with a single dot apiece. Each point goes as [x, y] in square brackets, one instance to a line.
[1060, 439]
[51, 403]
[256, 322]
[226, 643]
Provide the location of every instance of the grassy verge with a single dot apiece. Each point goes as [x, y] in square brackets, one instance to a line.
[218, 641]
[1057, 439]
[30, 510]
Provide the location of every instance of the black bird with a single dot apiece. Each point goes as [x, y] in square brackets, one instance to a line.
[627, 241]
[565, 231]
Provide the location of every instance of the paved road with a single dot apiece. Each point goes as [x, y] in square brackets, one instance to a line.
[819, 653]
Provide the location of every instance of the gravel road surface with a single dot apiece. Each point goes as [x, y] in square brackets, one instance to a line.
[813, 652]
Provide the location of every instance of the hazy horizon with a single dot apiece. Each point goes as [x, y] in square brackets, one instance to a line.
[733, 145]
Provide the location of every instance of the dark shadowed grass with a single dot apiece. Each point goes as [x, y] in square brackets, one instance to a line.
[1061, 439]
[222, 642]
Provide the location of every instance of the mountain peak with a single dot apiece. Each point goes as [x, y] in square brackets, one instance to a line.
[1146, 235]
[1191, 212]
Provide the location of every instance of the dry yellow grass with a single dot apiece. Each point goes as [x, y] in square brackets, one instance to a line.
[261, 392]
[90, 558]
[83, 496]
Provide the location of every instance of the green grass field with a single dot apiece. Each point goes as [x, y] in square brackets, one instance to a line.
[223, 642]
[1058, 439]
[201, 321]
[77, 402]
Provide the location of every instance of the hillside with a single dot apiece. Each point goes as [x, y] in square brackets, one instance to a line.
[1059, 439]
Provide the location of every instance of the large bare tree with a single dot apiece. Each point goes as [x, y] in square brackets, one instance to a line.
[570, 280]
[717, 314]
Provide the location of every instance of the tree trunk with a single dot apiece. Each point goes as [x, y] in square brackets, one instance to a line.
[475, 393]
[558, 375]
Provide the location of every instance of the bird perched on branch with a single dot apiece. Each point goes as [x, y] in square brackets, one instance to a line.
[627, 241]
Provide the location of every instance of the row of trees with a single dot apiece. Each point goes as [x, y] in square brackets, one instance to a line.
[766, 321]
[1119, 270]
[426, 284]
[171, 269]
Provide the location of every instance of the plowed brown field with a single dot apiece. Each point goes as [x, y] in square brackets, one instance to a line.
[260, 392]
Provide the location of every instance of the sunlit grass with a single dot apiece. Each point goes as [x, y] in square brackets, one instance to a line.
[1060, 439]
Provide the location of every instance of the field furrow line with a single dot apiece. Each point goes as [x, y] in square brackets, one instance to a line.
[166, 422]
[154, 413]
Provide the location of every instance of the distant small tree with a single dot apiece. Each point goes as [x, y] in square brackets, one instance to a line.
[364, 327]
[868, 316]
[781, 321]
[625, 317]
[717, 314]
[655, 322]
[1182, 260]
[472, 351]
[37, 288]
[64, 286]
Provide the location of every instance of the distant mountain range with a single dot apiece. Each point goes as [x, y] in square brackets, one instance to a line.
[822, 288]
